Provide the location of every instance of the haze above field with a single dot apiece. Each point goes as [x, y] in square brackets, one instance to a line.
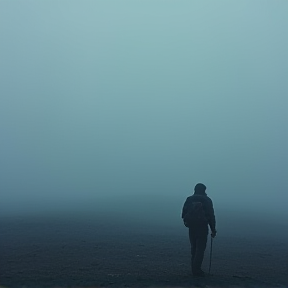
[108, 104]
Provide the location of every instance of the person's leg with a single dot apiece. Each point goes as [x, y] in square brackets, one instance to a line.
[201, 242]
[193, 239]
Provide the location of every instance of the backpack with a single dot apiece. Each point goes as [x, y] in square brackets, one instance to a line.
[195, 215]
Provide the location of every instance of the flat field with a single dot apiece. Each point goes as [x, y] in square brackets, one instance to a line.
[100, 251]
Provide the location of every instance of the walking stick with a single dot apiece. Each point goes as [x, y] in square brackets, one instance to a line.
[211, 246]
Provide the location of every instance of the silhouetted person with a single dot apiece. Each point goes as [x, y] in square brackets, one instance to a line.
[197, 214]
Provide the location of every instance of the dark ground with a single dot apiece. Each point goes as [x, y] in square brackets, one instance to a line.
[96, 251]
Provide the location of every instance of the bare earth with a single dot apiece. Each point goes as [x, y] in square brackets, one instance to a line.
[96, 252]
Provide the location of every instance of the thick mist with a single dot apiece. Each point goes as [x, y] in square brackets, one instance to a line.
[123, 106]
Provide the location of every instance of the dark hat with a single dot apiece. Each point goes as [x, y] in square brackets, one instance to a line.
[199, 188]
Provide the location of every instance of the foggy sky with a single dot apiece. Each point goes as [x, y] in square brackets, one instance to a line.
[107, 101]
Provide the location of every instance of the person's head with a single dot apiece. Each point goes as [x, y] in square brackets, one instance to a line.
[200, 189]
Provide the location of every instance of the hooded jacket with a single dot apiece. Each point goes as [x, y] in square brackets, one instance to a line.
[207, 205]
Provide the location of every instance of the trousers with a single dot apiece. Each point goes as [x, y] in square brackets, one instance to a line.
[198, 240]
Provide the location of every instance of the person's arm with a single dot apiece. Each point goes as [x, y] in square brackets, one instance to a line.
[185, 208]
[211, 217]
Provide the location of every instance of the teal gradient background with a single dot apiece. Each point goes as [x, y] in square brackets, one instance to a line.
[126, 105]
